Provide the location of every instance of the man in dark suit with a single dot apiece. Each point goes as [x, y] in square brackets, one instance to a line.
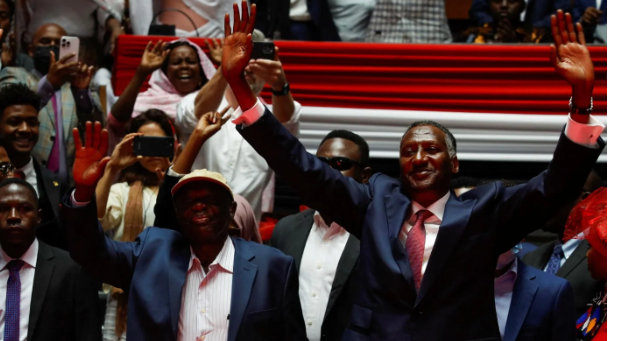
[593, 16]
[185, 285]
[427, 265]
[569, 260]
[44, 294]
[326, 254]
[19, 128]
[531, 304]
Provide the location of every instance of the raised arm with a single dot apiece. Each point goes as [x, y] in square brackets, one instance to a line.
[151, 60]
[319, 186]
[111, 262]
[523, 209]
[210, 95]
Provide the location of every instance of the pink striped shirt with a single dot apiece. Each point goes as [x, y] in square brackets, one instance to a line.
[206, 298]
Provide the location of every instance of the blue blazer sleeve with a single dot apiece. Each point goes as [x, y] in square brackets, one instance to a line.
[545, 21]
[524, 208]
[110, 261]
[294, 322]
[564, 318]
[164, 210]
[479, 13]
[318, 185]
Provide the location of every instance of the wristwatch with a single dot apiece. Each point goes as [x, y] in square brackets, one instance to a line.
[581, 111]
[283, 92]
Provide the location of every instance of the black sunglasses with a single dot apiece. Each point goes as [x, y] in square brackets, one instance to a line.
[339, 162]
[6, 168]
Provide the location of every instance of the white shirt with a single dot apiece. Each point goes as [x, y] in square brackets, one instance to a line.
[504, 287]
[246, 172]
[568, 248]
[30, 174]
[317, 269]
[206, 298]
[26, 277]
[113, 221]
[431, 225]
[351, 17]
[298, 10]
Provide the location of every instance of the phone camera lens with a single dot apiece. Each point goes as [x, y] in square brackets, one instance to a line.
[68, 43]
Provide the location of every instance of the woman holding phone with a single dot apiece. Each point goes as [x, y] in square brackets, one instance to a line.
[126, 208]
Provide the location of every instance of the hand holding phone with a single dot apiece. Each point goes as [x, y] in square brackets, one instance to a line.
[263, 50]
[69, 45]
[162, 146]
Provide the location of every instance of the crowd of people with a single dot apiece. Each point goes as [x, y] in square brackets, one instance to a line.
[173, 241]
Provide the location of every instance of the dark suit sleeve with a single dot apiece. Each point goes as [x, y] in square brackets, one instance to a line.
[479, 13]
[87, 321]
[165, 214]
[319, 186]
[563, 326]
[107, 260]
[524, 208]
[293, 328]
[545, 22]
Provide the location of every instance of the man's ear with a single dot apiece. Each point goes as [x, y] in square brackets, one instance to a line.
[367, 172]
[455, 164]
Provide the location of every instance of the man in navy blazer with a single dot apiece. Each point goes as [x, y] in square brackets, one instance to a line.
[531, 304]
[188, 284]
[466, 234]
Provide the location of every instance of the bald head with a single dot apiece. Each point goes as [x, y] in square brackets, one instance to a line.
[46, 35]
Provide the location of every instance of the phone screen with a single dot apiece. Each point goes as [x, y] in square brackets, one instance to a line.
[263, 50]
[153, 146]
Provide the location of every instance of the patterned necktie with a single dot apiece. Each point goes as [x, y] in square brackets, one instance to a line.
[416, 238]
[13, 300]
[555, 262]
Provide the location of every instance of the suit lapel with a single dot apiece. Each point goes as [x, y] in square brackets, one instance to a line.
[524, 292]
[343, 270]
[455, 218]
[397, 210]
[544, 253]
[297, 243]
[42, 277]
[49, 187]
[178, 268]
[579, 255]
[241, 287]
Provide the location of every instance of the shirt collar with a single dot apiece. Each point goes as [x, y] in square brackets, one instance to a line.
[29, 257]
[569, 247]
[506, 281]
[28, 169]
[225, 258]
[437, 208]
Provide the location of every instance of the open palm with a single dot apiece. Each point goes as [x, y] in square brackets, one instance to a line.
[122, 156]
[238, 45]
[154, 57]
[90, 157]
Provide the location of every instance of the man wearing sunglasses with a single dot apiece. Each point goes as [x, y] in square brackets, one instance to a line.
[427, 257]
[324, 252]
[19, 129]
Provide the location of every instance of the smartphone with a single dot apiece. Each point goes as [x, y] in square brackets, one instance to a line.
[263, 50]
[69, 45]
[153, 146]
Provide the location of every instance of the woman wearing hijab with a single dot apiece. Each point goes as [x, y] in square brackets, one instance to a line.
[589, 220]
[244, 224]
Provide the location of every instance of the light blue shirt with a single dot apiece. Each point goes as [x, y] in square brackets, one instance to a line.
[351, 17]
[504, 287]
[568, 248]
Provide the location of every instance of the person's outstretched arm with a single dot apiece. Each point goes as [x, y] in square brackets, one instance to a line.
[319, 186]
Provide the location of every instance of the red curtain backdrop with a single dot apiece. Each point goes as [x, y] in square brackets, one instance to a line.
[455, 77]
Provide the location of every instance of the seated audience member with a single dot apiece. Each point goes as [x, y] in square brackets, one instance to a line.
[178, 69]
[589, 218]
[10, 56]
[126, 208]
[83, 19]
[227, 152]
[325, 253]
[244, 225]
[308, 20]
[568, 260]
[506, 26]
[19, 130]
[44, 294]
[535, 17]
[414, 285]
[352, 18]
[197, 276]
[593, 16]
[531, 304]
[409, 21]
[63, 89]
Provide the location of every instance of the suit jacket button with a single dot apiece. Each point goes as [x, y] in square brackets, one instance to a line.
[52, 138]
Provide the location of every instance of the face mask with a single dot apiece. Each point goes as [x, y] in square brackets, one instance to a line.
[507, 257]
[42, 57]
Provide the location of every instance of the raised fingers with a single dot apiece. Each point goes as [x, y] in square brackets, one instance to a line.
[555, 31]
[245, 12]
[96, 141]
[251, 25]
[77, 139]
[561, 20]
[571, 31]
[581, 34]
[88, 134]
[148, 47]
[236, 18]
[227, 27]
[104, 142]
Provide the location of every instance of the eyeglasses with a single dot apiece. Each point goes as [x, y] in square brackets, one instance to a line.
[339, 162]
[6, 168]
